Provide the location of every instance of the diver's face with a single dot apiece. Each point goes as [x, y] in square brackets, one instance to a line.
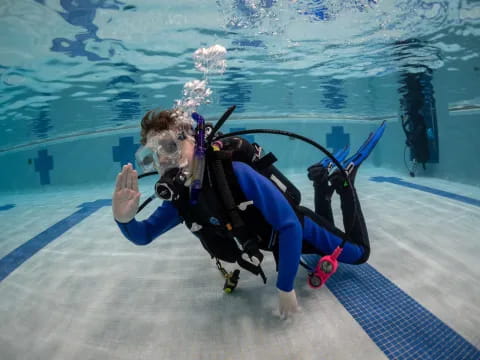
[170, 151]
[187, 149]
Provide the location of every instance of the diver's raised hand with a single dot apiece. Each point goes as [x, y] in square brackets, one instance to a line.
[126, 195]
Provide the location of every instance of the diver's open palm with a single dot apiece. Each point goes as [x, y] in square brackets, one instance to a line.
[126, 195]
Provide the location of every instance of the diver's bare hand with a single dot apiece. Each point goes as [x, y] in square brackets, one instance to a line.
[287, 303]
[126, 195]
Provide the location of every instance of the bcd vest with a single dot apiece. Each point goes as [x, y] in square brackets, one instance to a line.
[220, 224]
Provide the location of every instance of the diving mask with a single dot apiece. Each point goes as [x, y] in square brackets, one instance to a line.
[162, 152]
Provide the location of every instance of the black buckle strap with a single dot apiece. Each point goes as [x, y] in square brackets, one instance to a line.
[250, 266]
[251, 248]
[265, 161]
[246, 243]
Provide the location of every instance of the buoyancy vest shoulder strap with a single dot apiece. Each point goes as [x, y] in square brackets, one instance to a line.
[250, 257]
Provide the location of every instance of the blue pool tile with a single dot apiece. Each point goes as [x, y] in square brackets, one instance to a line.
[43, 165]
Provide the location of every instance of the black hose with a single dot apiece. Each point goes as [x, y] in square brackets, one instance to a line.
[316, 145]
[146, 202]
[220, 122]
[149, 200]
[147, 174]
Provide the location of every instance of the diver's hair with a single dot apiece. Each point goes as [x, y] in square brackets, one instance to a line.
[159, 120]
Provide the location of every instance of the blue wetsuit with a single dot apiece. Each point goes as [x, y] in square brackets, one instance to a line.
[276, 211]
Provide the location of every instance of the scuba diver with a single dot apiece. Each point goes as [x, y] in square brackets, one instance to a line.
[238, 204]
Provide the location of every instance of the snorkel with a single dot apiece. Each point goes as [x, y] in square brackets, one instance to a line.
[196, 92]
[198, 158]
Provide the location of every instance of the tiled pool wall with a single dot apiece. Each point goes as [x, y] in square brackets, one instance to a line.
[97, 158]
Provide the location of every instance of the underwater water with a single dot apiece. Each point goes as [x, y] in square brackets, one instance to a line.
[76, 77]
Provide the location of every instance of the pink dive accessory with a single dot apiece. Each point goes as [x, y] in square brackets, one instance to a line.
[325, 268]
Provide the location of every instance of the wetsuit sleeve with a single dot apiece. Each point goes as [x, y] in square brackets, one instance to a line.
[280, 215]
[143, 232]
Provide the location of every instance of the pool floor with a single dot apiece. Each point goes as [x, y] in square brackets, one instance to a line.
[78, 290]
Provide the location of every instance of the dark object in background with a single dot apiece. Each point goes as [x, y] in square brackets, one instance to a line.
[419, 118]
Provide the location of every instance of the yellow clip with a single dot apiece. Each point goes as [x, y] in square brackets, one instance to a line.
[215, 147]
[227, 290]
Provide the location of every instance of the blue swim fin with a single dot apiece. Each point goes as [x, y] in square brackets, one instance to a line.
[364, 151]
[340, 155]
[319, 172]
